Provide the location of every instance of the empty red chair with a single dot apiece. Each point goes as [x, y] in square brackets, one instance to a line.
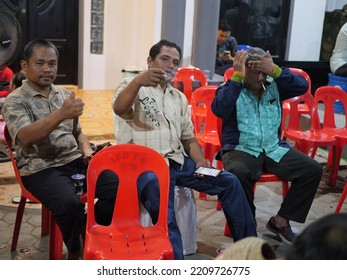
[327, 96]
[125, 238]
[187, 76]
[304, 140]
[303, 107]
[207, 136]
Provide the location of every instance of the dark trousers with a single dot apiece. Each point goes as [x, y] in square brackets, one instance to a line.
[303, 172]
[228, 189]
[54, 188]
[342, 71]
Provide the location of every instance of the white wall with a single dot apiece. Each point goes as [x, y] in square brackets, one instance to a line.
[305, 34]
[130, 29]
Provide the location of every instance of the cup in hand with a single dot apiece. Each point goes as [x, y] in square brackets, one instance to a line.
[78, 181]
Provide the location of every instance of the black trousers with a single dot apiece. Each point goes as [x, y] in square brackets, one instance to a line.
[304, 173]
[342, 71]
[54, 188]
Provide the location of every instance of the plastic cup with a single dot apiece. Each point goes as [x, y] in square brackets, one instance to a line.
[207, 73]
[78, 181]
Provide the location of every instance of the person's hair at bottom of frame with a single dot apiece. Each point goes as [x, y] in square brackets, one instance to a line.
[324, 239]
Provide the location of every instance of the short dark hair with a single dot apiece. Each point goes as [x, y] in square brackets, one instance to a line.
[155, 49]
[28, 50]
[224, 26]
[324, 239]
[17, 79]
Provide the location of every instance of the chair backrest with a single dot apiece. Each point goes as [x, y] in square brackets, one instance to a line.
[228, 73]
[188, 77]
[203, 97]
[303, 108]
[128, 162]
[305, 75]
[294, 115]
[24, 192]
[328, 95]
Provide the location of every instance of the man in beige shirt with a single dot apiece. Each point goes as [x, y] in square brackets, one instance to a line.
[150, 112]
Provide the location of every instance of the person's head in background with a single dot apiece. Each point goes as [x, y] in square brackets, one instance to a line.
[166, 56]
[223, 33]
[40, 63]
[324, 239]
[17, 80]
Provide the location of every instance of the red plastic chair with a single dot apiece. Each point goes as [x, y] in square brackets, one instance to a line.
[206, 133]
[48, 224]
[328, 95]
[125, 238]
[265, 177]
[303, 107]
[207, 136]
[305, 140]
[342, 199]
[187, 75]
[228, 73]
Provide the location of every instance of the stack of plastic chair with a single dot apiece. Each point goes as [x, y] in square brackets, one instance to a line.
[305, 140]
[125, 238]
[265, 177]
[48, 224]
[187, 76]
[328, 96]
[207, 136]
[191, 78]
[228, 73]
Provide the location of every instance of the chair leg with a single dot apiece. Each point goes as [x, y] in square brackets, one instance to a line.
[335, 165]
[18, 222]
[44, 221]
[285, 188]
[227, 230]
[341, 200]
[219, 206]
[55, 240]
[202, 196]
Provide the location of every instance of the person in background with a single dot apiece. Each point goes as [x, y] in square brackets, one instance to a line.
[338, 60]
[17, 80]
[250, 106]
[150, 112]
[226, 48]
[50, 146]
[5, 77]
[324, 239]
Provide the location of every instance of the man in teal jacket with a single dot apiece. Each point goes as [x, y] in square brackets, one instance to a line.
[250, 105]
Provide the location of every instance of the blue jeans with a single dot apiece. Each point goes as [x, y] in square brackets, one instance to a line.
[229, 191]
